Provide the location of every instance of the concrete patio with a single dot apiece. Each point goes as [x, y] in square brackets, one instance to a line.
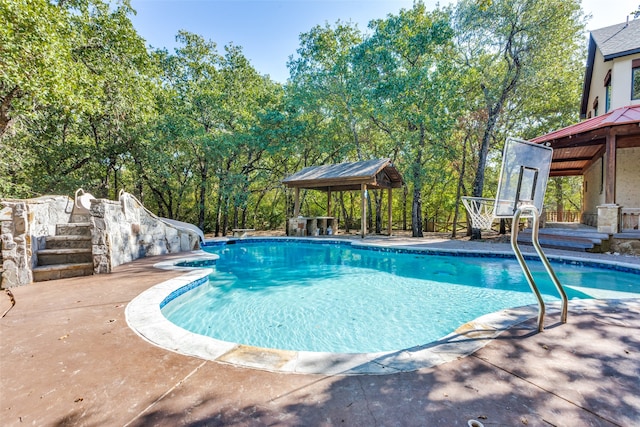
[67, 357]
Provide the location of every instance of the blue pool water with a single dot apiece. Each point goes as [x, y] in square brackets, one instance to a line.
[338, 298]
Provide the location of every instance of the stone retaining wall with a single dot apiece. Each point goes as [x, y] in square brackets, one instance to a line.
[622, 246]
[125, 231]
[121, 232]
[24, 224]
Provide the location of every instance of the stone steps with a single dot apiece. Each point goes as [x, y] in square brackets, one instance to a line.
[64, 256]
[567, 240]
[67, 254]
[74, 229]
[68, 242]
[62, 271]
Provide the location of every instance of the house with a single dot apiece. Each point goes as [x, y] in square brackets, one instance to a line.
[605, 148]
[612, 76]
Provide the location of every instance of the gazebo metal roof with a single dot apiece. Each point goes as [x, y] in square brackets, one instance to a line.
[376, 173]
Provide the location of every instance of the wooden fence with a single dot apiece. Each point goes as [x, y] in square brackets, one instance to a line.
[630, 220]
[564, 216]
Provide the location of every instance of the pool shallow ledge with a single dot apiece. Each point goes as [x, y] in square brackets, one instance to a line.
[144, 316]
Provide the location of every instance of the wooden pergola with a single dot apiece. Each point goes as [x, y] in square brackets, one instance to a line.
[353, 176]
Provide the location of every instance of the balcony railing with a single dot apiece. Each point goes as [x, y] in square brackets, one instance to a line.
[564, 216]
[630, 219]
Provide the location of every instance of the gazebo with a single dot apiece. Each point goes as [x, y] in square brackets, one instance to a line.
[352, 176]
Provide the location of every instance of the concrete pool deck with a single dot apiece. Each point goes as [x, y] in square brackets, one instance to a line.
[67, 357]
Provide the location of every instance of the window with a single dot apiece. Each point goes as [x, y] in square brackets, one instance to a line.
[595, 107]
[635, 79]
[607, 92]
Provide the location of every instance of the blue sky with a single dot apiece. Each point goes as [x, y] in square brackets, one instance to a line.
[269, 30]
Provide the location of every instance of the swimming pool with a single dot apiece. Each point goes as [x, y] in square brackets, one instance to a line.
[319, 296]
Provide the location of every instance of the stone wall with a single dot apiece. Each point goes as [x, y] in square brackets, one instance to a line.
[24, 224]
[628, 177]
[625, 246]
[124, 231]
[121, 232]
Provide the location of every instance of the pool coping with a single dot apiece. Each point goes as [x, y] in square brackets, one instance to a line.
[143, 315]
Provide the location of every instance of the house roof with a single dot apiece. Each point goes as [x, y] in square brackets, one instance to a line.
[576, 147]
[613, 42]
[615, 117]
[376, 173]
[618, 40]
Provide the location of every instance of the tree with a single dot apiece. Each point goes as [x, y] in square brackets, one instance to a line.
[411, 86]
[35, 57]
[506, 43]
[74, 77]
[325, 92]
[211, 107]
[322, 78]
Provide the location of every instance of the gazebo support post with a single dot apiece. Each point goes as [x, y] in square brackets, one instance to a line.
[363, 225]
[296, 205]
[610, 169]
[329, 201]
[389, 207]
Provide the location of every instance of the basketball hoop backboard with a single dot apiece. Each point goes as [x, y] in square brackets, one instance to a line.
[523, 178]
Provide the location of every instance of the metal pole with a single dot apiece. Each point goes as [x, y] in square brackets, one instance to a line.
[547, 265]
[525, 268]
[543, 258]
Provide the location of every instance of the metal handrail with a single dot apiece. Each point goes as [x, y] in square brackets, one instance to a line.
[536, 244]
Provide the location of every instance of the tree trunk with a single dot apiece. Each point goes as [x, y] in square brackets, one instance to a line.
[370, 210]
[405, 193]
[559, 199]
[345, 214]
[378, 196]
[416, 212]
[351, 213]
[218, 213]
[460, 185]
[478, 181]
[235, 217]
[416, 206]
[225, 216]
[204, 174]
[243, 218]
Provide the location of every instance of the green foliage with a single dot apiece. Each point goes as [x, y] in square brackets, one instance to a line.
[34, 57]
[74, 85]
[199, 135]
[522, 64]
